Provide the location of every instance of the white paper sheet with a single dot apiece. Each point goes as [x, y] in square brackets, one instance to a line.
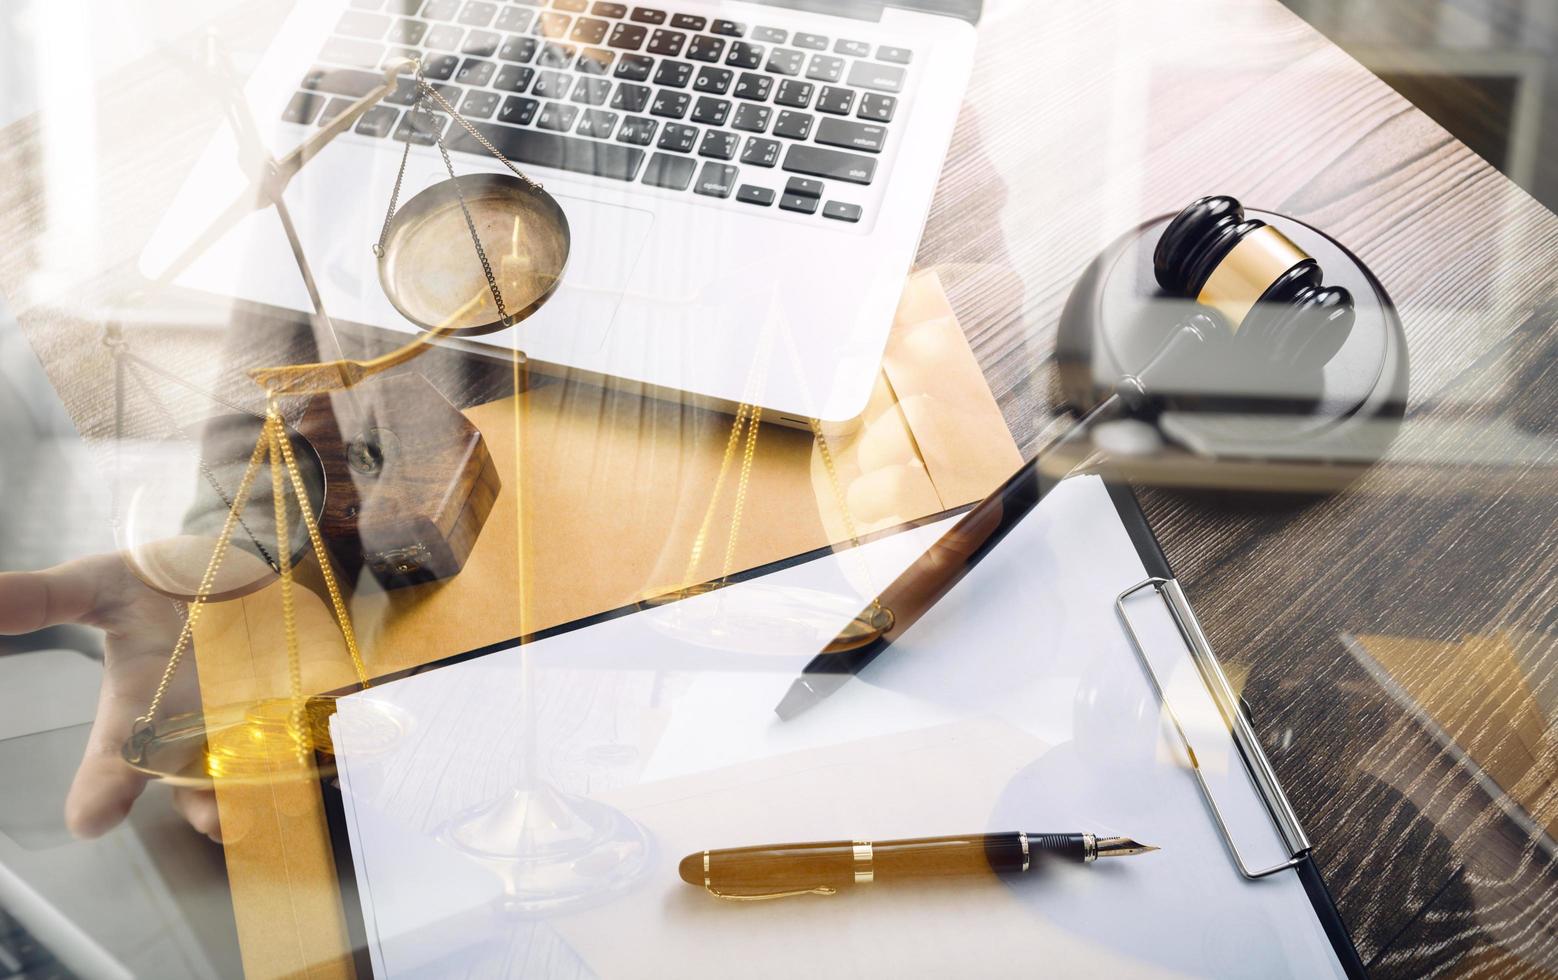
[1016, 704]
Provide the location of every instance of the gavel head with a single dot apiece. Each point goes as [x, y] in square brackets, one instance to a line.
[1266, 289]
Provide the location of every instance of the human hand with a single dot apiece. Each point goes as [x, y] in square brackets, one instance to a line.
[140, 628]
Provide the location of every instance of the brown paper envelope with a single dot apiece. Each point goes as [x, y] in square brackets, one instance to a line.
[618, 496]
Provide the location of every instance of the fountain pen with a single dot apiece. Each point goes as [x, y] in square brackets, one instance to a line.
[824, 868]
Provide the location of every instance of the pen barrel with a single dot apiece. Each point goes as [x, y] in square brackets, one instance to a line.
[779, 867]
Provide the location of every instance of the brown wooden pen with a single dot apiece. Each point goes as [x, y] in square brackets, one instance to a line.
[828, 867]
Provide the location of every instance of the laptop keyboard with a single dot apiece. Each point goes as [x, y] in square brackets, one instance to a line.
[627, 93]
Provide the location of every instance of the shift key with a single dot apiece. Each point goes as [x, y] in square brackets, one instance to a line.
[852, 135]
[814, 161]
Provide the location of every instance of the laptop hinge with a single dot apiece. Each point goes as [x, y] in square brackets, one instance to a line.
[871, 10]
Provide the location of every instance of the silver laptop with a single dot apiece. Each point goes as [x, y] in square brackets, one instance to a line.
[746, 182]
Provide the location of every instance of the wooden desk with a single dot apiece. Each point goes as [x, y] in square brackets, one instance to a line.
[1080, 120]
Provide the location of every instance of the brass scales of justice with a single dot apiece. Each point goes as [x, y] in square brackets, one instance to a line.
[425, 280]
[429, 283]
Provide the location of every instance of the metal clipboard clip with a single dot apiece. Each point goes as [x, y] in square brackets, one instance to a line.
[1250, 752]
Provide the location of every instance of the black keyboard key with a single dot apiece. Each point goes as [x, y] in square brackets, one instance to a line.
[595, 61]
[729, 28]
[674, 136]
[421, 128]
[553, 84]
[350, 51]
[752, 194]
[628, 37]
[444, 37]
[855, 49]
[597, 123]
[670, 105]
[556, 55]
[795, 202]
[514, 19]
[772, 35]
[481, 44]
[710, 111]
[399, 59]
[441, 66]
[688, 22]
[852, 135]
[377, 121]
[878, 108]
[646, 15]
[637, 130]
[615, 11]
[744, 55]
[786, 61]
[716, 180]
[804, 187]
[840, 211]
[812, 42]
[836, 101]
[557, 117]
[478, 13]
[441, 9]
[752, 87]
[342, 81]
[332, 109]
[794, 94]
[868, 74]
[634, 67]
[479, 105]
[760, 152]
[825, 68]
[898, 56]
[706, 48]
[518, 111]
[794, 125]
[715, 81]
[303, 108]
[553, 25]
[572, 6]
[589, 30]
[407, 31]
[369, 27]
[752, 118]
[675, 74]
[521, 49]
[719, 145]
[672, 173]
[630, 97]
[595, 91]
[815, 161]
[666, 43]
[475, 72]
[405, 92]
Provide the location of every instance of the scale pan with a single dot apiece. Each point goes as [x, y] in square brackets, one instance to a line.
[430, 273]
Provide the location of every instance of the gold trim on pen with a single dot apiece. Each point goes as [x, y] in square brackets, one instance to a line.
[1257, 261]
[864, 872]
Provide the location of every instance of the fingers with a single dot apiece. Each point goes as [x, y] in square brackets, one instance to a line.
[69, 593]
[105, 786]
[198, 806]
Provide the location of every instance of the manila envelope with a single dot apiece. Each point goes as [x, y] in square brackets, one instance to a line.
[623, 498]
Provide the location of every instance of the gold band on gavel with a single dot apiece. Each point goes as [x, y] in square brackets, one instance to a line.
[1248, 269]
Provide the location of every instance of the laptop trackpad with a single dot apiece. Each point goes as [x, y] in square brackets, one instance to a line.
[607, 241]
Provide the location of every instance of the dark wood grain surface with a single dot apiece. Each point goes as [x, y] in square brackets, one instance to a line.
[1082, 120]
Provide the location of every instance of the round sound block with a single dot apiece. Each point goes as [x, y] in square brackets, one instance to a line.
[1117, 318]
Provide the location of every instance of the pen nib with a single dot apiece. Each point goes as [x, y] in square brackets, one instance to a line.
[1121, 847]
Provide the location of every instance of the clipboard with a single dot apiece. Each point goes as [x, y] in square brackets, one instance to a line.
[1160, 580]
